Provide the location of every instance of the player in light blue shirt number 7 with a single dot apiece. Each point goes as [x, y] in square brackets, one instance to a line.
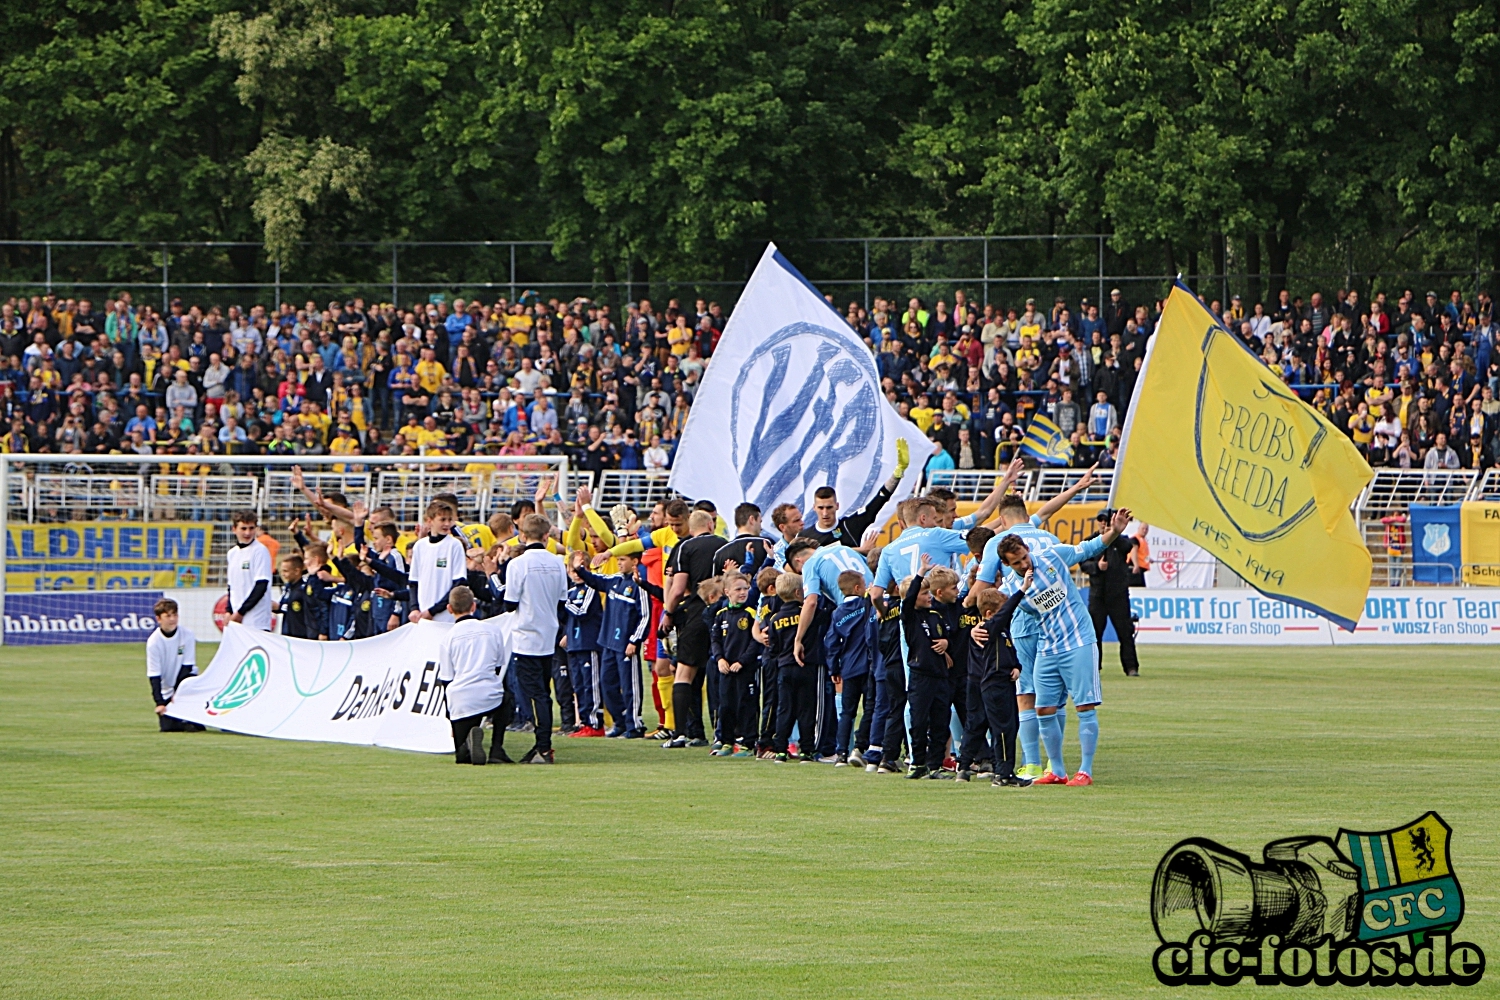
[1067, 652]
[903, 557]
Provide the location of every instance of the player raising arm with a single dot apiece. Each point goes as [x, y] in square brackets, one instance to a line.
[1066, 655]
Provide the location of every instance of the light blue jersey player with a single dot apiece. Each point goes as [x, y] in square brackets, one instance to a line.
[1067, 653]
[948, 509]
[903, 557]
[820, 574]
[1025, 626]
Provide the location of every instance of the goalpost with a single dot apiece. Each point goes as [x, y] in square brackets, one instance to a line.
[50, 491]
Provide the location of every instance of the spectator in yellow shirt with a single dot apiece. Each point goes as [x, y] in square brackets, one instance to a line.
[430, 371]
[922, 413]
[680, 337]
[1028, 355]
[1362, 427]
[344, 443]
[312, 415]
[430, 438]
[519, 325]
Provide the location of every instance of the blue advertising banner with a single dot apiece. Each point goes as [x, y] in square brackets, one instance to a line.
[63, 618]
[1436, 555]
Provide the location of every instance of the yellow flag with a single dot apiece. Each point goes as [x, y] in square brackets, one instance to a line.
[1479, 542]
[1217, 449]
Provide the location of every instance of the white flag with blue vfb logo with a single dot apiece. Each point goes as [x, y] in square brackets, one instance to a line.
[790, 402]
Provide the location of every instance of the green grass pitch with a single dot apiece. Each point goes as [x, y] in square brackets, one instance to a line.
[136, 864]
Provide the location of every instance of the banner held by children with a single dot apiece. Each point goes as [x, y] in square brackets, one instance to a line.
[380, 691]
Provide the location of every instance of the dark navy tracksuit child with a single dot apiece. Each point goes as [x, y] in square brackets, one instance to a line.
[585, 618]
[303, 608]
[888, 728]
[958, 675]
[820, 739]
[853, 649]
[361, 589]
[730, 639]
[928, 688]
[343, 606]
[395, 581]
[626, 616]
[711, 679]
[799, 687]
[767, 606]
[992, 693]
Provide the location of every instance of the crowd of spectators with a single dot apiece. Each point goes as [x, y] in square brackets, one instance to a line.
[1412, 381]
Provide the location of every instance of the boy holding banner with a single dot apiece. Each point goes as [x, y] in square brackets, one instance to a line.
[171, 658]
[472, 659]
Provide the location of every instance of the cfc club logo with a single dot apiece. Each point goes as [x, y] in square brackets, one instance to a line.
[804, 407]
[247, 681]
[1375, 909]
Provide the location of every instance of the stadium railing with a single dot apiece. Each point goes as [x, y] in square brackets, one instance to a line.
[636, 488]
[69, 493]
[1487, 487]
[973, 485]
[1397, 489]
[52, 489]
[1048, 483]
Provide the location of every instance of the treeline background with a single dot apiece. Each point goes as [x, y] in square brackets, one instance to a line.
[666, 141]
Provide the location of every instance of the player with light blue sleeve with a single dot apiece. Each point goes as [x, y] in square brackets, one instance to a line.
[903, 557]
[1025, 626]
[948, 508]
[820, 574]
[1067, 650]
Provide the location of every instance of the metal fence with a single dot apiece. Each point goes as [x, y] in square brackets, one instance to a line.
[1006, 269]
[50, 490]
[46, 489]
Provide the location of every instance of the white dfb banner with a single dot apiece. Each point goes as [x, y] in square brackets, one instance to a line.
[791, 402]
[380, 691]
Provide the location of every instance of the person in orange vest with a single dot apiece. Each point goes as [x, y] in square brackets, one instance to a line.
[1140, 558]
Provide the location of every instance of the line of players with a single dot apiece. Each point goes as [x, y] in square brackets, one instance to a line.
[821, 621]
[811, 602]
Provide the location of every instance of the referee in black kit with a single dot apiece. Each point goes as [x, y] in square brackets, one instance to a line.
[692, 562]
[1109, 595]
[748, 550]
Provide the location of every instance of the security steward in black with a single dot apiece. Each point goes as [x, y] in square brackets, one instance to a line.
[1109, 594]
